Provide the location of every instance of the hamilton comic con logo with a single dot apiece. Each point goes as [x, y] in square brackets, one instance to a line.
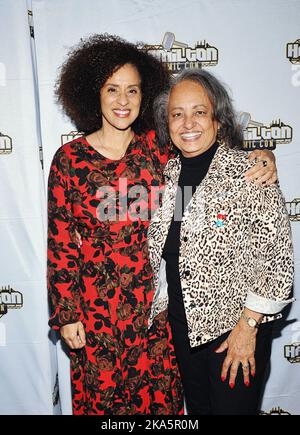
[65, 138]
[275, 411]
[293, 52]
[292, 353]
[5, 144]
[293, 209]
[9, 299]
[179, 56]
[261, 136]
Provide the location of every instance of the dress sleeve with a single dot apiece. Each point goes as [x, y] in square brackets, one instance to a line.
[62, 251]
[271, 251]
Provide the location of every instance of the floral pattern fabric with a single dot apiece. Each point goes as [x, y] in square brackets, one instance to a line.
[107, 283]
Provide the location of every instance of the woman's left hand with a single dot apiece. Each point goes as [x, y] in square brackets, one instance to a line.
[241, 348]
[265, 170]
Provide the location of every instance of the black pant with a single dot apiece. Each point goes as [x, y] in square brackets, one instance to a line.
[200, 370]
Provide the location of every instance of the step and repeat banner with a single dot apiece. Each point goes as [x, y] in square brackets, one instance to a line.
[251, 45]
[27, 356]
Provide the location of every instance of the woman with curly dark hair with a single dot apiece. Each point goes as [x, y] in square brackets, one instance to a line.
[101, 290]
[103, 188]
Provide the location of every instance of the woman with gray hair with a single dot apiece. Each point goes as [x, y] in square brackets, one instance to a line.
[220, 249]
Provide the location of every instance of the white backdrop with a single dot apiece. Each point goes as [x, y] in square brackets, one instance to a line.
[250, 38]
[27, 358]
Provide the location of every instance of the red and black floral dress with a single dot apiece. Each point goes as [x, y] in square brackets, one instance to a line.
[125, 368]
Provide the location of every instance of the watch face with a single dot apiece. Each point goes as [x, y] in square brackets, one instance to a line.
[252, 323]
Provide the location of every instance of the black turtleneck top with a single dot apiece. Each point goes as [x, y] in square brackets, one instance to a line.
[193, 170]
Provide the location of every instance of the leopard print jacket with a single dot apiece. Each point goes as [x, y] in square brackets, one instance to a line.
[235, 248]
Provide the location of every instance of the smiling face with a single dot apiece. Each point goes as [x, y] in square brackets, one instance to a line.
[190, 114]
[120, 98]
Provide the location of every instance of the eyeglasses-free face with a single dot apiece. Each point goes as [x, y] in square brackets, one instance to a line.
[120, 98]
[190, 115]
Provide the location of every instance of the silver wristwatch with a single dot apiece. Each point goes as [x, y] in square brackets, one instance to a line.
[250, 321]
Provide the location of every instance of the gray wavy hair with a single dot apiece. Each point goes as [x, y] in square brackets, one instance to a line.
[230, 131]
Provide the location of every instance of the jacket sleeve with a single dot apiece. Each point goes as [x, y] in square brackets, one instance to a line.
[271, 251]
[62, 252]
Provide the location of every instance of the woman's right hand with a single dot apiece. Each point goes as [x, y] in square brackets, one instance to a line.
[74, 335]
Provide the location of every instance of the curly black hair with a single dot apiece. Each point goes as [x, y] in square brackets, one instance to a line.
[90, 64]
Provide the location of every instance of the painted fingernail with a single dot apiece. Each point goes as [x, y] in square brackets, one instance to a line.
[223, 378]
[231, 385]
[253, 374]
[247, 383]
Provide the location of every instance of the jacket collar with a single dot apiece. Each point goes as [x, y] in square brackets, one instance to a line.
[173, 167]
